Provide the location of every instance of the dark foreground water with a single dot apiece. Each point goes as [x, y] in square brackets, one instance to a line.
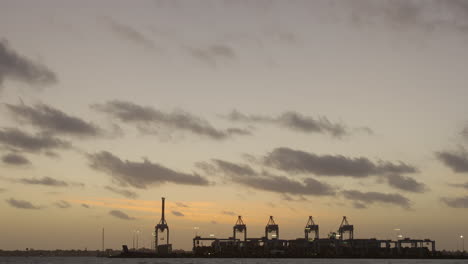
[86, 260]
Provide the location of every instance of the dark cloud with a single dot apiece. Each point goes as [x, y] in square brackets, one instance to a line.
[62, 204]
[21, 204]
[127, 32]
[121, 215]
[459, 185]
[17, 139]
[464, 133]
[403, 15]
[2, 190]
[406, 183]
[460, 202]
[213, 222]
[376, 197]
[15, 159]
[151, 121]
[213, 55]
[85, 206]
[245, 175]
[294, 121]
[296, 161]
[52, 120]
[456, 160]
[125, 193]
[177, 213]
[179, 204]
[289, 198]
[140, 174]
[48, 181]
[231, 213]
[359, 205]
[14, 66]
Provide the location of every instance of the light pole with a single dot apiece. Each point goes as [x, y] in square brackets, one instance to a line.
[137, 233]
[463, 243]
[196, 230]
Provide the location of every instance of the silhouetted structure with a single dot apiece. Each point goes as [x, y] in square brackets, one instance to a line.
[160, 228]
[345, 227]
[335, 245]
[239, 227]
[311, 227]
[272, 227]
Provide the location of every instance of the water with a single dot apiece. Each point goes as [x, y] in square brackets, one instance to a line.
[93, 260]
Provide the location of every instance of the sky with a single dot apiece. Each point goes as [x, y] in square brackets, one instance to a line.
[254, 108]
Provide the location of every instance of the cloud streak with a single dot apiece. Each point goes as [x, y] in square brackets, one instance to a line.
[52, 120]
[121, 215]
[21, 204]
[127, 32]
[125, 193]
[149, 120]
[294, 121]
[47, 181]
[376, 197]
[296, 161]
[245, 175]
[19, 140]
[459, 202]
[455, 160]
[400, 14]
[406, 183]
[213, 55]
[62, 204]
[14, 66]
[177, 213]
[140, 174]
[15, 159]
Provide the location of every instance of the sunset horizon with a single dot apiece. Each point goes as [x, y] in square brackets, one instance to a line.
[259, 108]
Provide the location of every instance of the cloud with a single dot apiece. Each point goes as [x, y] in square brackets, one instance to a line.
[2, 190]
[125, 193]
[406, 183]
[177, 213]
[52, 120]
[231, 213]
[152, 121]
[464, 132]
[294, 121]
[85, 206]
[359, 205]
[19, 140]
[21, 204]
[140, 174]
[62, 204]
[127, 32]
[15, 159]
[121, 215]
[401, 14]
[245, 175]
[213, 55]
[14, 66]
[460, 202]
[48, 181]
[179, 204]
[456, 160]
[376, 197]
[296, 161]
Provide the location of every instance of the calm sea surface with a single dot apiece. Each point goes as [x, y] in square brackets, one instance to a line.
[83, 260]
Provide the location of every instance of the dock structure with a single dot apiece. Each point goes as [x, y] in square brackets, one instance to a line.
[338, 244]
[166, 247]
[311, 227]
